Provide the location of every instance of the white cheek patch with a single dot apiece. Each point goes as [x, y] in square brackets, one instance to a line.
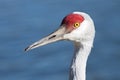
[72, 36]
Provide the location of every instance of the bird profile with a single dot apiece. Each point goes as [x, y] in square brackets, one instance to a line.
[77, 27]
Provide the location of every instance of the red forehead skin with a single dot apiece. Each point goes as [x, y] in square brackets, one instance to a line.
[70, 20]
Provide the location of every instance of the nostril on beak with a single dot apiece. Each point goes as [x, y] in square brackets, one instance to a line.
[52, 37]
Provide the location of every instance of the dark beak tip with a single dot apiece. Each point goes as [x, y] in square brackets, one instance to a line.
[26, 49]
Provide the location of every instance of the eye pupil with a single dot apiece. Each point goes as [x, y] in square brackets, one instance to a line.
[76, 24]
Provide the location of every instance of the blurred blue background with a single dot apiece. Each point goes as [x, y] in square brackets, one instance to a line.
[23, 22]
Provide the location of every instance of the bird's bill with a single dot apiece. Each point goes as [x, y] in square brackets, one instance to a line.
[56, 36]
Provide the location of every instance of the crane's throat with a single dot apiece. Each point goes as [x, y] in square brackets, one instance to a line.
[78, 67]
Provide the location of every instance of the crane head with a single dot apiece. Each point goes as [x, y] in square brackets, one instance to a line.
[77, 27]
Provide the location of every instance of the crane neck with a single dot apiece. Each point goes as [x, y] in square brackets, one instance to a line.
[78, 67]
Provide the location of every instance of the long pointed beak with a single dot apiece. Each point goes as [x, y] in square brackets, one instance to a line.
[56, 36]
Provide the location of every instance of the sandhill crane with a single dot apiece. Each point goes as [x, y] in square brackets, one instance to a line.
[77, 27]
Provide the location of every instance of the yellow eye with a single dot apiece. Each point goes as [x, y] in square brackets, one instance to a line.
[76, 25]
